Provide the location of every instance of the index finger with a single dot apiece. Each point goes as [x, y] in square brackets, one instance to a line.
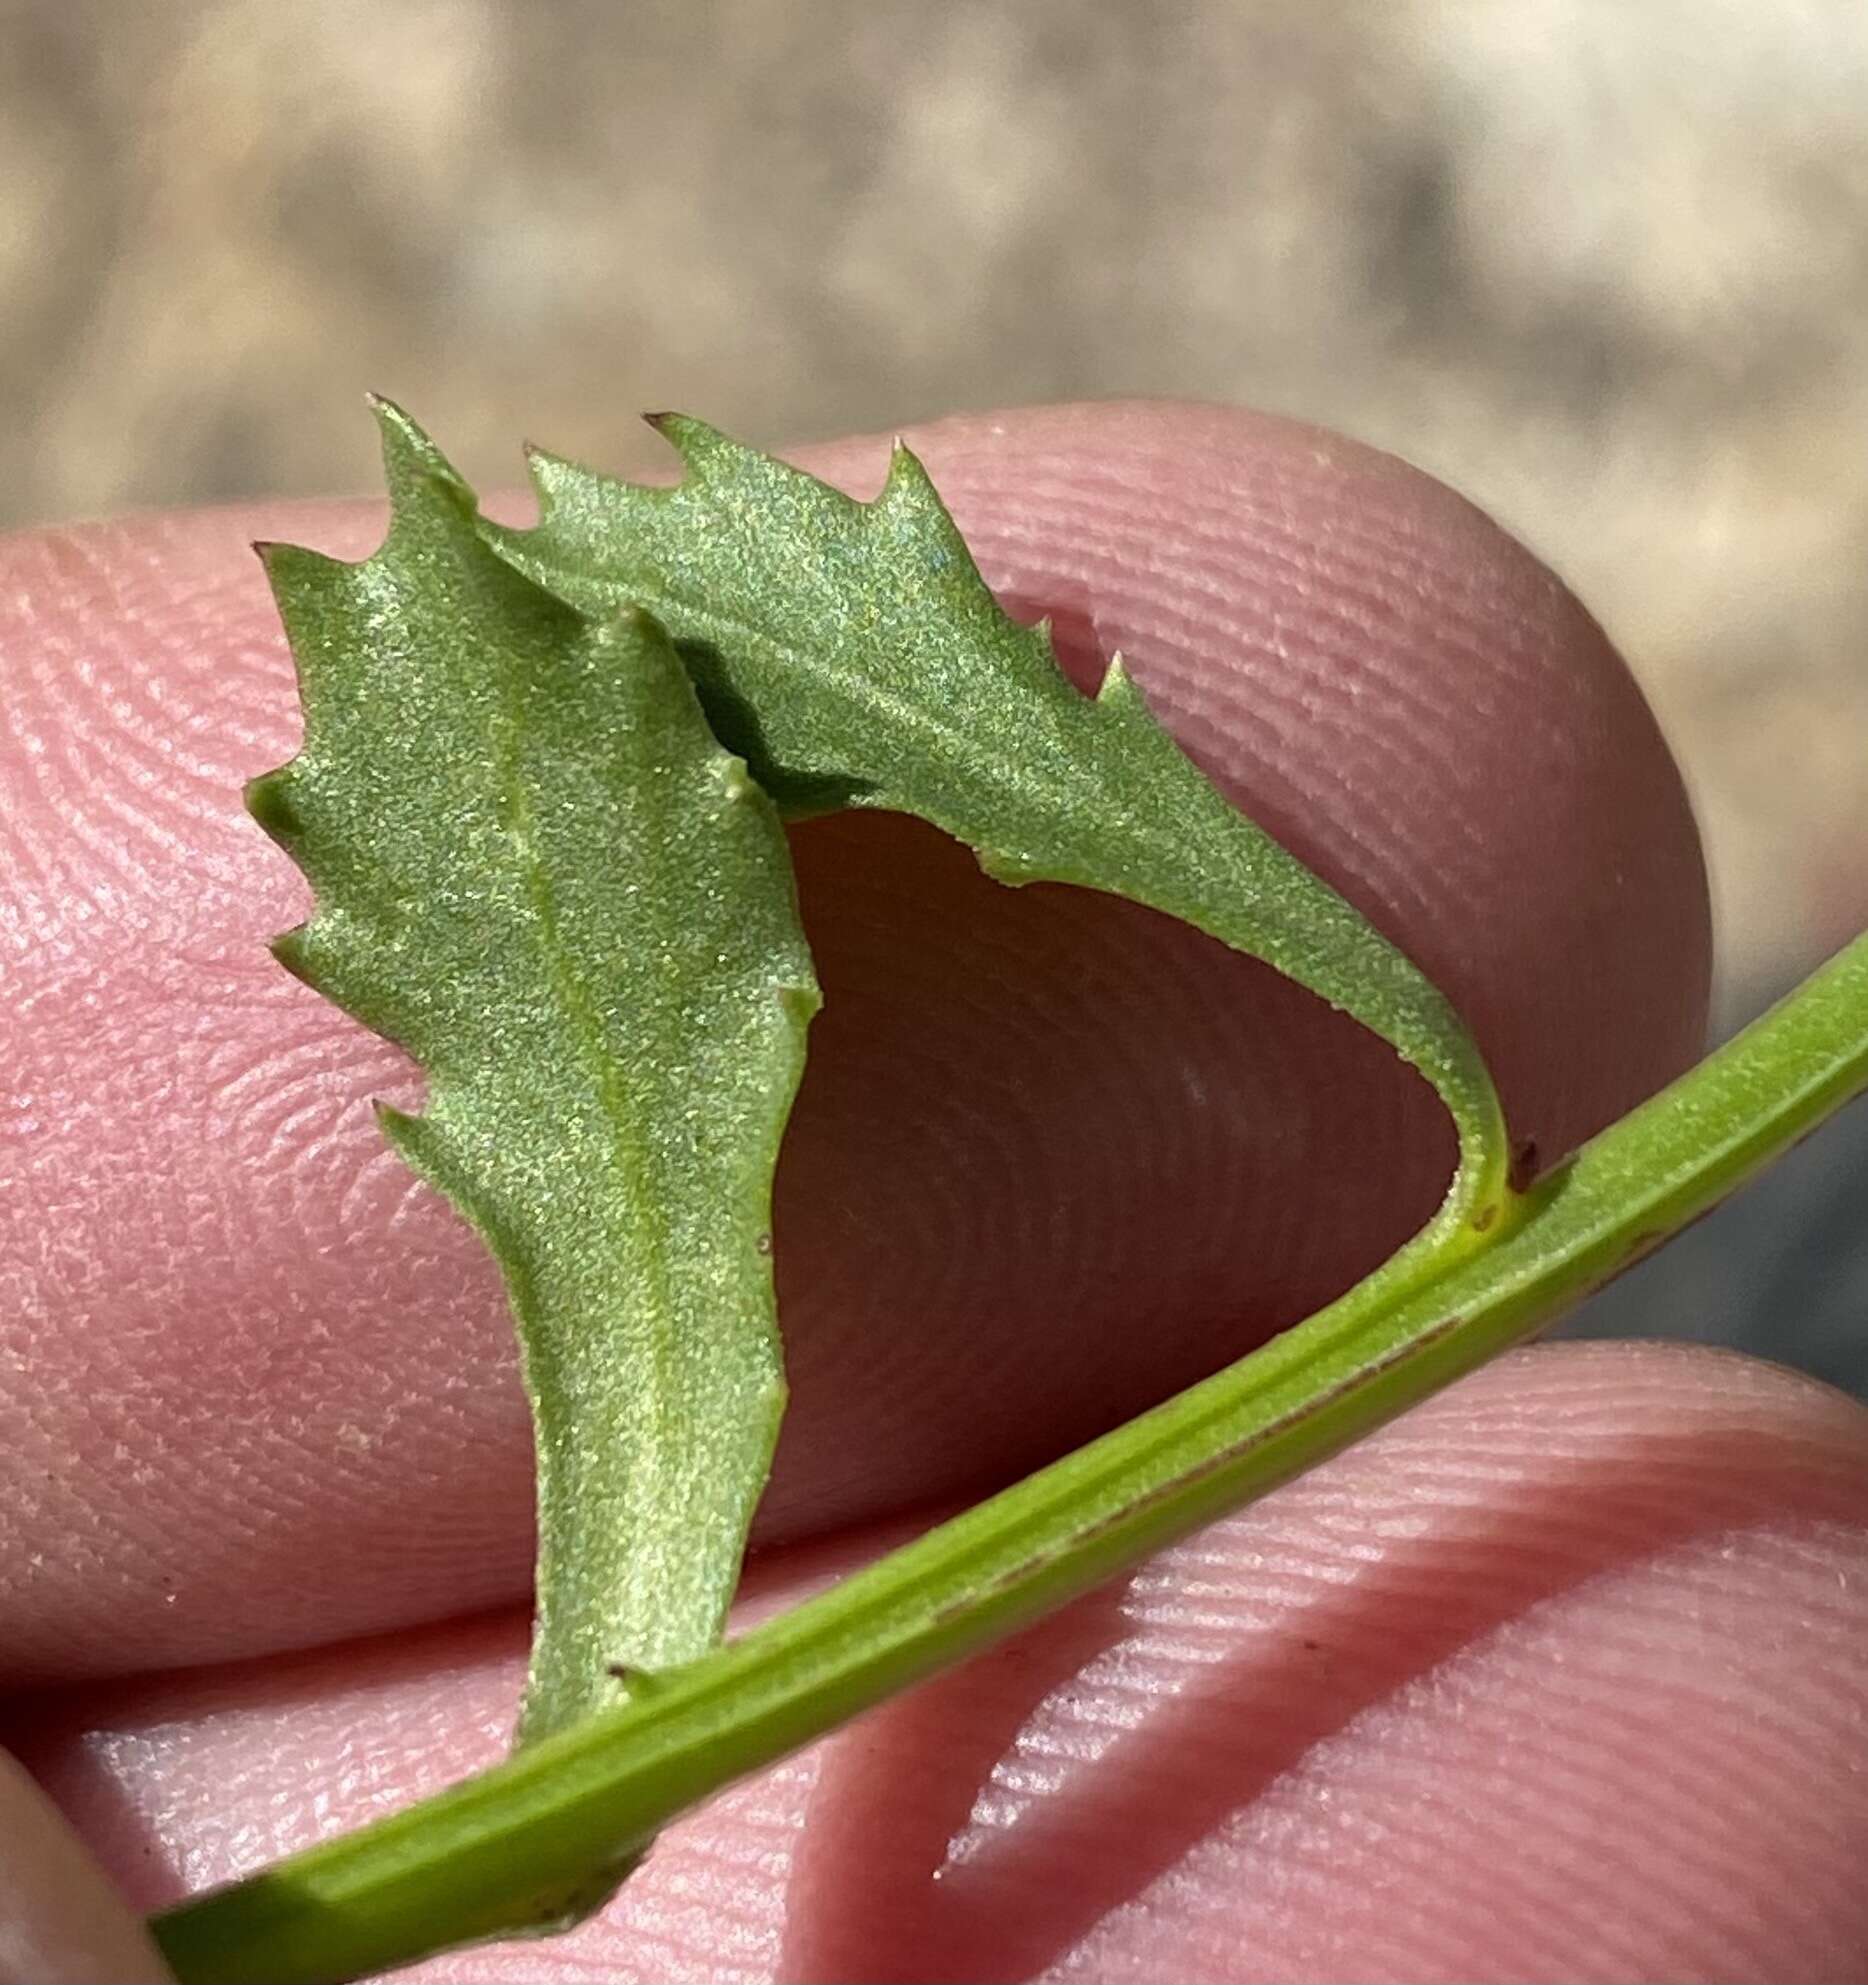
[1054, 1158]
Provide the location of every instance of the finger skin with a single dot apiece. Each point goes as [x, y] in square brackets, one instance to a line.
[60, 1921]
[1563, 1676]
[1054, 1158]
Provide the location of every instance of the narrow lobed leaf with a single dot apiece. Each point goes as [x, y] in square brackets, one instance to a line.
[538, 872]
[852, 653]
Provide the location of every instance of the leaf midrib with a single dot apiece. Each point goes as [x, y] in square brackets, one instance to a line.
[886, 707]
[629, 1149]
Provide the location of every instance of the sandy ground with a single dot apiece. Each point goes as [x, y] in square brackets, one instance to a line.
[1603, 267]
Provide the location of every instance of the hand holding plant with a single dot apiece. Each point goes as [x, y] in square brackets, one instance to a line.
[1017, 1221]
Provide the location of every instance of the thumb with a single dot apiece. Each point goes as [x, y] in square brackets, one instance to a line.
[61, 1923]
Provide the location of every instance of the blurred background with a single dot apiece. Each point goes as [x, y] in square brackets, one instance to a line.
[1604, 266]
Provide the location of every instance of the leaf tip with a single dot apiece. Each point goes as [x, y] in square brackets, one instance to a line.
[289, 951]
[274, 561]
[1118, 687]
[281, 562]
[693, 440]
[269, 800]
[907, 480]
[736, 783]
[1013, 870]
[409, 1135]
[800, 1000]
[547, 473]
[411, 460]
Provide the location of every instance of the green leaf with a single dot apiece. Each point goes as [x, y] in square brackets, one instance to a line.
[539, 873]
[853, 655]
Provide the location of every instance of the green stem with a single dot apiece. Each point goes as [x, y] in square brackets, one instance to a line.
[527, 1841]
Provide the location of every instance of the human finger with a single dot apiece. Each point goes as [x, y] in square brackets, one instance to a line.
[61, 1922]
